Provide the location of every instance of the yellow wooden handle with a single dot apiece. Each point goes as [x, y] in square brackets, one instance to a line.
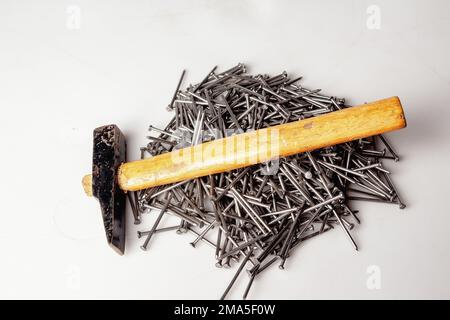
[262, 145]
[87, 184]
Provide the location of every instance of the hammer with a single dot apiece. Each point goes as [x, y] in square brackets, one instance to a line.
[112, 176]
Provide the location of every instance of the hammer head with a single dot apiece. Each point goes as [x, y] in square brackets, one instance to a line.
[109, 154]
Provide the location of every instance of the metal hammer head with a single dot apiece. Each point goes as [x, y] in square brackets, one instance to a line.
[109, 154]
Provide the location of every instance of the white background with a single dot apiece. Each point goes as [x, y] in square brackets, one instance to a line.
[119, 62]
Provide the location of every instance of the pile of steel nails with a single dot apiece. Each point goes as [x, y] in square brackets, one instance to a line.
[260, 214]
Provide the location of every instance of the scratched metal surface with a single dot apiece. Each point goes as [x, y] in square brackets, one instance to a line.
[66, 68]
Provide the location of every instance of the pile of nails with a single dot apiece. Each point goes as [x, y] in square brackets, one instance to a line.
[258, 215]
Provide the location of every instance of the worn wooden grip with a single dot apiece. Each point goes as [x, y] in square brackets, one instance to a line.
[265, 144]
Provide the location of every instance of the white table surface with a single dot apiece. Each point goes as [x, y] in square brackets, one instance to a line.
[69, 66]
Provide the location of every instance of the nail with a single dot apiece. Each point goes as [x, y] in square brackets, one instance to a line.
[155, 225]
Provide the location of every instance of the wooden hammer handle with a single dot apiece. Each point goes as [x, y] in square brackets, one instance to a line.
[262, 145]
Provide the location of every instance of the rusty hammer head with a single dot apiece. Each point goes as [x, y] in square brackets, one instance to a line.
[109, 154]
